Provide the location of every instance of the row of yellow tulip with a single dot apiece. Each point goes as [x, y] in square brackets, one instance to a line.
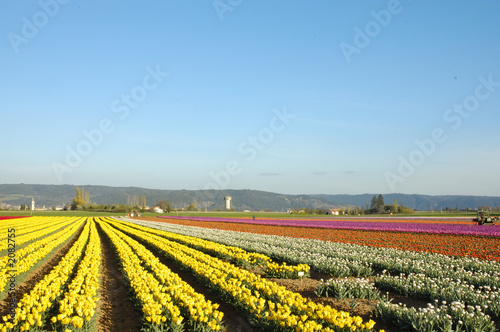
[78, 306]
[27, 231]
[21, 237]
[25, 258]
[12, 228]
[234, 254]
[273, 306]
[286, 271]
[32, 309]
[18, 223]
[165, 298]
[15, 222]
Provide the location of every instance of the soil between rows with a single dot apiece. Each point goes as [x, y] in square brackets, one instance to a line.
[115, 310]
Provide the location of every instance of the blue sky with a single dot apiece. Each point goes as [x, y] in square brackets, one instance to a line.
[294, 97]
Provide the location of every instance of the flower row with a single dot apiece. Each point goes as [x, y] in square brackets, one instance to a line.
[359, 288]
[10, 217]
[437, 228]
[447, 272]
[231, 253]
[166, 300]
[291, 250]
[275, 270]
[447, 244]
[78, 306]
[344, 260]
[32, 229]
[272, 306]
[32, 309]
[16, 222]
[445, 317]
[444, 289]
[454, 317]
[22, 260]
[237, 255]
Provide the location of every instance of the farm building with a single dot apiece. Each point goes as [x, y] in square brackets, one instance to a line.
[335, 212]
[157, 210]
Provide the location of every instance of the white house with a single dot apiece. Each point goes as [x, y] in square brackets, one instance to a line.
[335, 212]
[157, 210]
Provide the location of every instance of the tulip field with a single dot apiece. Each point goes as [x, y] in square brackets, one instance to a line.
[456, 237]
[229, 274]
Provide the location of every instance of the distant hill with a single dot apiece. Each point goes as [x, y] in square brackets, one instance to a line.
[254, 200]
[417, 202]
[59, 195]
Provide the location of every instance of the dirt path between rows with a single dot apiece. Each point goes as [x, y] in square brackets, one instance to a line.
[115, 311]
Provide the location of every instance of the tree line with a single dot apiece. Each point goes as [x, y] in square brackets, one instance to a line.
[81, 201]
[377, 206]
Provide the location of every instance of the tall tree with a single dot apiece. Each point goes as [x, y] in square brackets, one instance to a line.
[192, 206]
[377, 204]
[165, 206]
[374, 204]
[380, 204]
[79, 199]
[87, 198]
[380, 201]
[133, 200]
[143, 202]
[395, 205]
[162, 204]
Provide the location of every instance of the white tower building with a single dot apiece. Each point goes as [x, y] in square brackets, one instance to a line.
[32, 204]
[228, 202]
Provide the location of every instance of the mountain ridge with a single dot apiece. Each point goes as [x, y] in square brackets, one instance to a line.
[242, 199]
